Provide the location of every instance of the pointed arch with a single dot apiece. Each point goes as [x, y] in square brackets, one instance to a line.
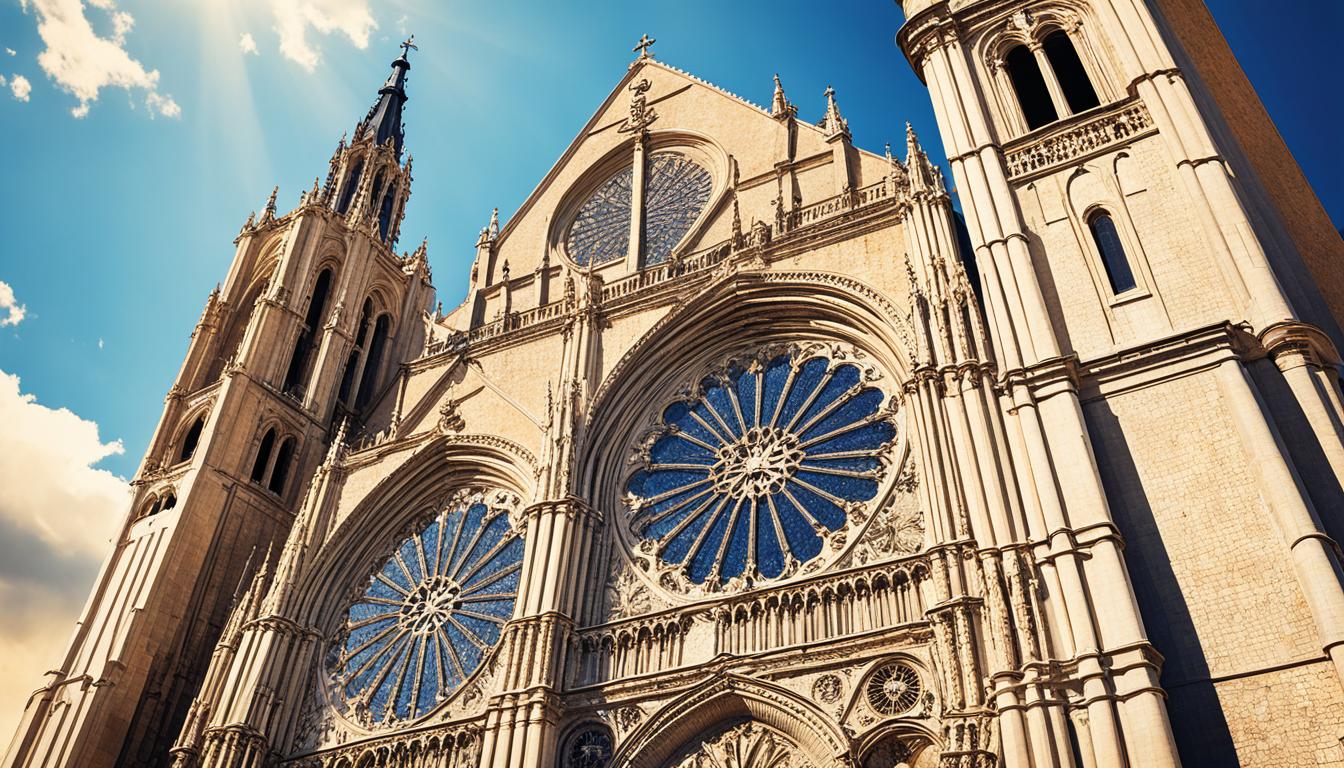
[724, 698]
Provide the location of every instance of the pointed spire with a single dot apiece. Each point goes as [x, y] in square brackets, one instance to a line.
[921, 172]
[383, 122]
[833, 124]
[269, 213]
[779, 103]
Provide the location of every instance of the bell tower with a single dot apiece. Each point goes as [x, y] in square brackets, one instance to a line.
[1152, 265]
[304, 339]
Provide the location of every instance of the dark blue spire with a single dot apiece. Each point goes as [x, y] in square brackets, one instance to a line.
[384, 119]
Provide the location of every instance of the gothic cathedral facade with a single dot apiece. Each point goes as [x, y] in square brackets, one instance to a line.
[747, 450]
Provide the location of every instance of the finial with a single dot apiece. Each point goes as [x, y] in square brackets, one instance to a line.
[269, 213]
[408, 45]
[833, 123]
[779, 103]
[494, 223]
[643, 46]
[910, 137]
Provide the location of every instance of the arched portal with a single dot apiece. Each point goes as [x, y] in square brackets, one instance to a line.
[736, 721]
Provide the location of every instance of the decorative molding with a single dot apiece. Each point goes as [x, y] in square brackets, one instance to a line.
[1077, 138]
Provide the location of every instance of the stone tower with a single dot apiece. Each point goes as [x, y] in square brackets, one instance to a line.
[302, 339]
[1163, 293]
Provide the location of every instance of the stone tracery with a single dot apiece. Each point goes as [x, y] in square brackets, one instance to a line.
[751, 474]
[430, 614]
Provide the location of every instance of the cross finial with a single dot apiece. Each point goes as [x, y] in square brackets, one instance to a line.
[643, 46]
[408, 45]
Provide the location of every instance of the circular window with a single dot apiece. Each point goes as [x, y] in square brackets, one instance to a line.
[894, 688]
[430, 614]
[676, 190]
[589, 748]
[753, 472]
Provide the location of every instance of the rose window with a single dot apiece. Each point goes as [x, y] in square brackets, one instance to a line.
[894, 689]
[750, 476]
[430, 614]
[676, 190]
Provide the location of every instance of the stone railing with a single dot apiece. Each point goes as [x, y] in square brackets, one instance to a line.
[452, 746]
[1073, 140]
[821, 608]
[654, 277]
[839, 204]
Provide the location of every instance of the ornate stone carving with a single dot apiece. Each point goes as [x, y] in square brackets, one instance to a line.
[827, 689]
[748, 745]
[641, 115]
[1075, 141]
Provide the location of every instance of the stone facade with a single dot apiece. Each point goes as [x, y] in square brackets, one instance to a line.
[745, 450]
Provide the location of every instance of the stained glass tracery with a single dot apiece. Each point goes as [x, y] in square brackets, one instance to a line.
[759, 467]
[676, 190]
[430, 614]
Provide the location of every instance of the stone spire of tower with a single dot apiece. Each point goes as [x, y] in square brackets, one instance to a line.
[833, 124]
[923, 175]
[384, 119]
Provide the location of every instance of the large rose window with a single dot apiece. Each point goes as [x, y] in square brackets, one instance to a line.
[431, 613]
[759, 468]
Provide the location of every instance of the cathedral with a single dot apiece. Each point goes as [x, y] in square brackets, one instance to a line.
[748, 448]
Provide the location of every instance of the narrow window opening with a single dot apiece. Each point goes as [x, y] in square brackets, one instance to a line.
[1029, 85]
[282, 461]
[192, 439]
[352, 362]
[1069, 71]
[1113, 256]
[169, 502]
[153, 508]
[297, 374]
[263, 456]
[385, 213]
[348, 191]
[370, 378]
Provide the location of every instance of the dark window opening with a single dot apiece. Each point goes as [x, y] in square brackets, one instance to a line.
[297, 374]
[154, 508]
[1029, 85]
[375, 359]
[192, 439]
[263, 456]
[1112, 253]
[169, 502]
[348, 191]
[1069, 71]
[385, 214]
[352, 362]
[282, 461]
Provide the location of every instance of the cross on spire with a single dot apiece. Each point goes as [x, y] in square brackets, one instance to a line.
[408, 45]
[643, 46]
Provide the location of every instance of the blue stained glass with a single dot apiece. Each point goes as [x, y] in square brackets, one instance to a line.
[430, 613]
[756, 469]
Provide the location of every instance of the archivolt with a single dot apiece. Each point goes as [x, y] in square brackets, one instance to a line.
[409, 495]
[758, 308]
[726, 698]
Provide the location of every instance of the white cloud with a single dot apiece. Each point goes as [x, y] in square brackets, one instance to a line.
[100, 342]
[247, 44]
[82, 62]
[2, 81]
[8, 304]
[20, 86]
[295, 19]
[57, 515]
[11, 52]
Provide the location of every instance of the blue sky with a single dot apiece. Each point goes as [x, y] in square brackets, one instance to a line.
[138, 134]
[117, 224]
